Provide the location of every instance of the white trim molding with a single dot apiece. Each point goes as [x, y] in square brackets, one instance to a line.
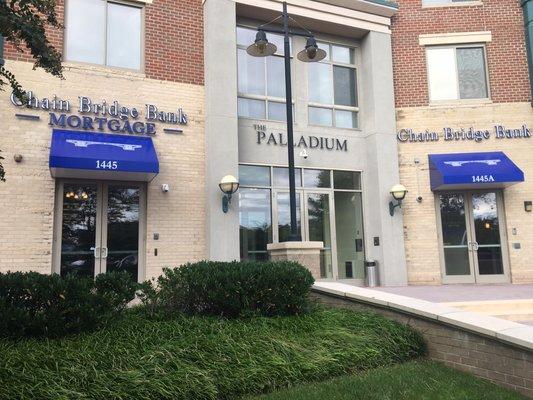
[433, 39]
[324, 12]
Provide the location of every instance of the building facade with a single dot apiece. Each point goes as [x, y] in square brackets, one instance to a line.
[117, 167]
[462, 95]
[74, 200]
[344, 127]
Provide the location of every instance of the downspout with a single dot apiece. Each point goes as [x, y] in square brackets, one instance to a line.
[1, 50]
[527, 6]
[1, 46]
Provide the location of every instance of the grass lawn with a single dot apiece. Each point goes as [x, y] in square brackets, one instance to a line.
[200, 357]
[416, 380]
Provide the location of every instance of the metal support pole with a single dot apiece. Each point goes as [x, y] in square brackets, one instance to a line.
[295, 234]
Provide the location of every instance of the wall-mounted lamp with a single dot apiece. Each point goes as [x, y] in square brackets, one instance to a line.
[17, 158]
[398, 192]
[528, 206]
[229, 185]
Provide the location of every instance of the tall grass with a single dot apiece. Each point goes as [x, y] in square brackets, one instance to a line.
[201, 357]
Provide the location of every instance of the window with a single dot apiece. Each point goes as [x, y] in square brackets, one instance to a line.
[329, 208]
[261, 85]
[457, 73]
[332, 85]
[103, 32]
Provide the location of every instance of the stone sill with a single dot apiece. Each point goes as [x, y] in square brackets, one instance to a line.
[507, 332]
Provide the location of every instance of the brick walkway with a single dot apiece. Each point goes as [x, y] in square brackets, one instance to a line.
[465, 293]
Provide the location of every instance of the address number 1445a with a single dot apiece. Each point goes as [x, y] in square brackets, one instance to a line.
[102, 164]
[482, 178]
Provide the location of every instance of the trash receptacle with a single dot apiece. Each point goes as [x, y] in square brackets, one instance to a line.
[371, 272]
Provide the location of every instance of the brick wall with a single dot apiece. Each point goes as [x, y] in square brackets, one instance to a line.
[27, 196]
[173, 40]
[487, 358]
[420, 219]
[506, 54]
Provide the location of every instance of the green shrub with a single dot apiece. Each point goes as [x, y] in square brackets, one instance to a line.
[115, 290]
[231, 289]
[33, 304]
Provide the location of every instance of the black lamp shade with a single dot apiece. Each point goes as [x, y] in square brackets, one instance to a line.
[311, 53]
[261, 47]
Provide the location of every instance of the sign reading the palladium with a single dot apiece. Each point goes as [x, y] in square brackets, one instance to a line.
[101, 116]
[304, 141]
[448, 134]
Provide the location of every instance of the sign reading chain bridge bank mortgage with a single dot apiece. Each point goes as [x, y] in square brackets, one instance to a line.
[102, 116]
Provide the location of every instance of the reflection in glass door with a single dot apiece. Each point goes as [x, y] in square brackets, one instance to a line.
[319, 228]
[284, 215]
[472, 233]
[100, 228]
[486, 223]
[80, 210]
[121, 230]
[455, 240]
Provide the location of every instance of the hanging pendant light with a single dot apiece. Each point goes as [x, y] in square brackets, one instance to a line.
[261, 47]
[311, 53]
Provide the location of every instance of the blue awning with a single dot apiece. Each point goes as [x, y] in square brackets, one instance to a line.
[102, 156]
[472, 171]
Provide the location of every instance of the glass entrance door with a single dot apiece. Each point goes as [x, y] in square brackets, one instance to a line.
[318, 218]
[80, 215]
[98, 228]
[472, 237]
[314, 209]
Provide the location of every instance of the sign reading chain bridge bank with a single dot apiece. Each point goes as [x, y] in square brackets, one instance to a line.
[101, 116]
[471, 134]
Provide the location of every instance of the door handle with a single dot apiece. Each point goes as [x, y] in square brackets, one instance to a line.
[96, 251]
[105, 251]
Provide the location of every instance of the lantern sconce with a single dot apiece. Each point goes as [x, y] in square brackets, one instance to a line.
[398, 192]
[228, 185]
[528, 206]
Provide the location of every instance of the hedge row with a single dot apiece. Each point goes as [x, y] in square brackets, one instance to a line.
[32, 304]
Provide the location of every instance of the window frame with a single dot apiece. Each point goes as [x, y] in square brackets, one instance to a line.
[264, 98]
[142, 62]
[486, 99]
[450, 3]
[302, 191]
[333, 107]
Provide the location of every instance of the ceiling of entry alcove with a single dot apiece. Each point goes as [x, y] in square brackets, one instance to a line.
[314, 25]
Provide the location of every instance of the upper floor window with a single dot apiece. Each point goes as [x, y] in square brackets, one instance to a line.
[457, 73]
[332, 88]
[104, 32]
[261, 83]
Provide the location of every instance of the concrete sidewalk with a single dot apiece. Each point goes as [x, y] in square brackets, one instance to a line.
[480, 298]
[448, 293]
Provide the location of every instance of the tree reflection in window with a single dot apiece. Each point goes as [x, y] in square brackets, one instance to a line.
[123, 229]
